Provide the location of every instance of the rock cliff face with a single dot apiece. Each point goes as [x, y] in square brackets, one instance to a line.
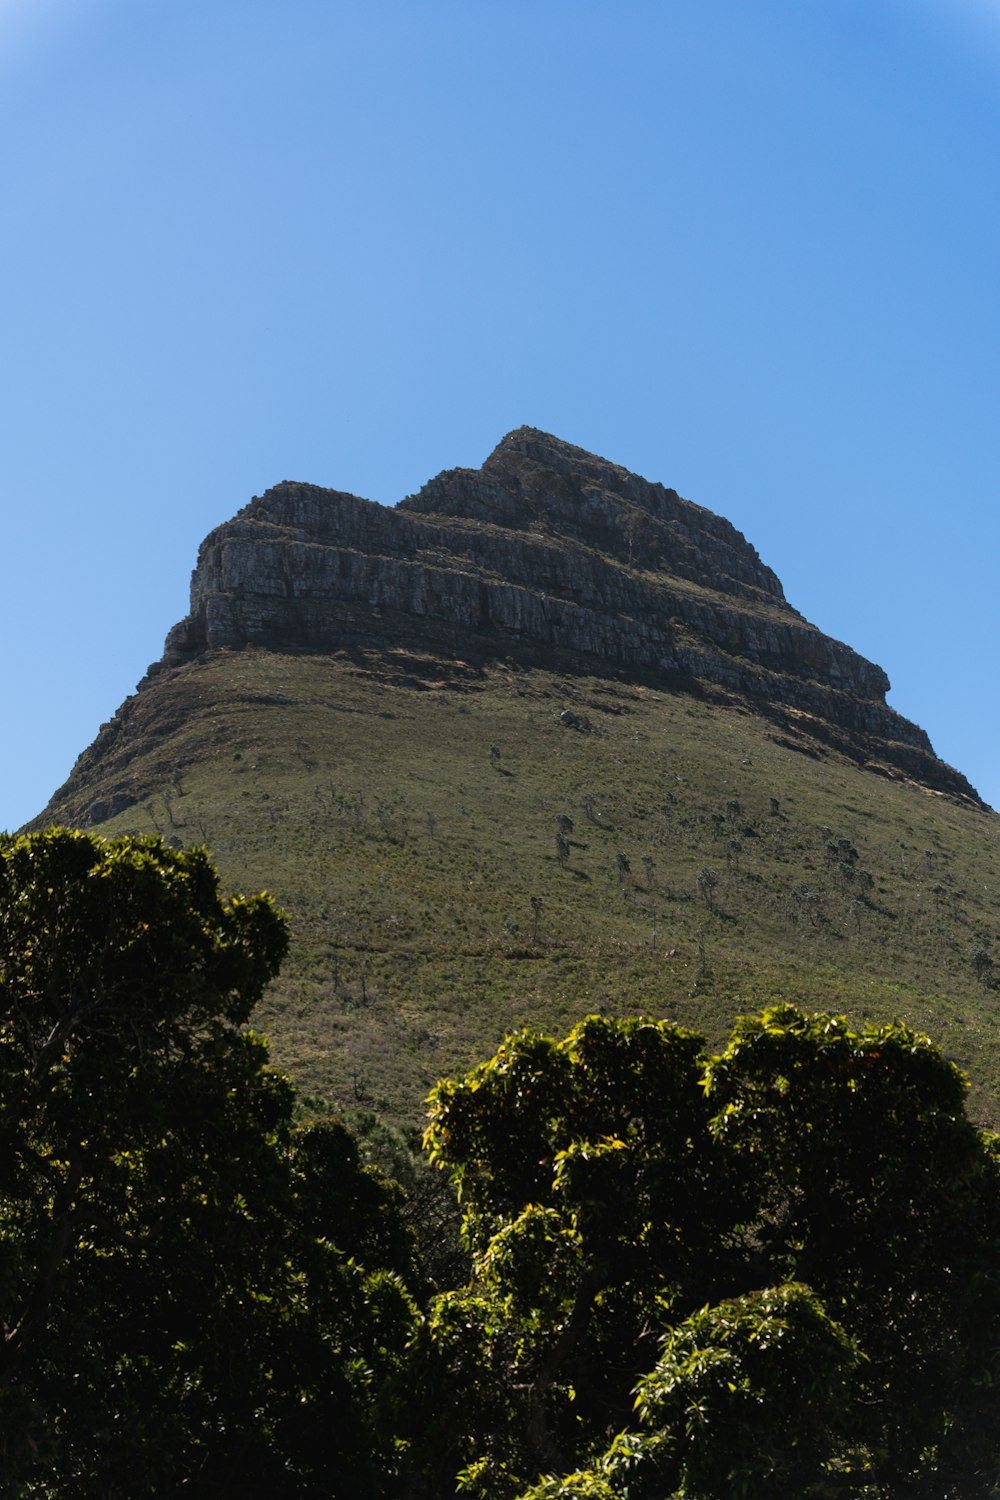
[546, 553]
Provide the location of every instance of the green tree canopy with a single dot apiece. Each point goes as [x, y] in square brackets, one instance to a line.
[871, 1185]
[196, 1297]
[807, 1226]
[595, 1200]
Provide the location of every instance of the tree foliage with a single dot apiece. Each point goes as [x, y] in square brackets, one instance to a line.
[806, 1226]
[745, 1400]
[872, 1185]
[773, 1271]
[192, 1291]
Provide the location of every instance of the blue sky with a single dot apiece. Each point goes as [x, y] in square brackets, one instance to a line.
[746, 247]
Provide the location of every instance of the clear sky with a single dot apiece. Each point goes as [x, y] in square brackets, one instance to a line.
[750, 248]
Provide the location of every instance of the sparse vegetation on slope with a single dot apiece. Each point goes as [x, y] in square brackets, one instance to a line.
[462, 850]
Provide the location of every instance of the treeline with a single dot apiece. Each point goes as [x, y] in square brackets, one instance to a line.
[773, 1272]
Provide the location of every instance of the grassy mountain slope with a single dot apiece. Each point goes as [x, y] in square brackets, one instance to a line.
[405, 813]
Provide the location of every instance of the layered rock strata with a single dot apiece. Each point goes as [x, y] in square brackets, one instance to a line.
[546, 553]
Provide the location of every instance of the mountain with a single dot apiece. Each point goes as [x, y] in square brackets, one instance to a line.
[550, 556]
[544, 738]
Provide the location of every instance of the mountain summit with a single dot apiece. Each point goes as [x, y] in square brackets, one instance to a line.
[547, 555]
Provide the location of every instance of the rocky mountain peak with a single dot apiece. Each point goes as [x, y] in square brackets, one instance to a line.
[533, 481]
[553, 556]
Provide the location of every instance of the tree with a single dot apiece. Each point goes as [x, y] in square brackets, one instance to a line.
[195, 1296]
[982, 964]
[873, 1187]
[536, 913]
[708, 883]
[807, 1226]
[595, 1203]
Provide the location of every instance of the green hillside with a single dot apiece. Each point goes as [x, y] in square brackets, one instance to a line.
[406, 814]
